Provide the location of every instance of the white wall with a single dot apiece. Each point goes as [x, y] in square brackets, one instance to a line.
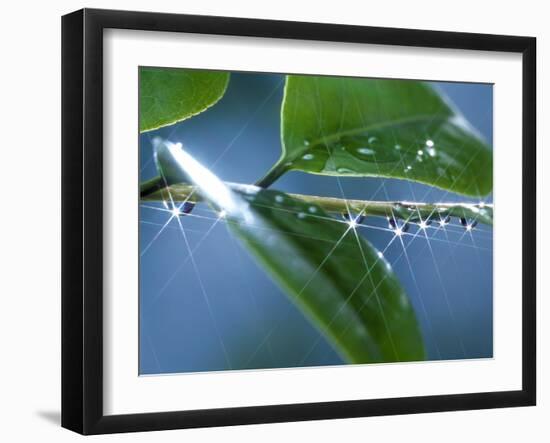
[30, 218]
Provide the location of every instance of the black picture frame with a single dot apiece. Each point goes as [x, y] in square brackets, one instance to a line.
[82, 218]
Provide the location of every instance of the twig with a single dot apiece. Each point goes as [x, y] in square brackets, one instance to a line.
[408, 211]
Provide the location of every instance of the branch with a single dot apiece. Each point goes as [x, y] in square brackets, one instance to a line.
[468, 213]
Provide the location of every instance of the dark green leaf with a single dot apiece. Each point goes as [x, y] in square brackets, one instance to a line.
[383, 128]
[168, 95]
[334, 275]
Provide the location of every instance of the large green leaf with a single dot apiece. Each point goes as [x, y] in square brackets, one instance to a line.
[340, 280]
[335, 276]
[168, 95]
[385, 128]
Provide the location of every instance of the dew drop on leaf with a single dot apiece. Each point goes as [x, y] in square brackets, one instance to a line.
[365, 151]
[345, 171]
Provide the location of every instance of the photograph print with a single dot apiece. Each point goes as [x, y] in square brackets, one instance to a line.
[291, 220]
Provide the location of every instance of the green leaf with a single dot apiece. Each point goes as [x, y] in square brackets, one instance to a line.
[335, 276]
[383, 128]
[168, 95]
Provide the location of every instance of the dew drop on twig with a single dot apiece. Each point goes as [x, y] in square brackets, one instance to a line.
[358, 219]
[186, 208]
[398, 227]
[468, 224]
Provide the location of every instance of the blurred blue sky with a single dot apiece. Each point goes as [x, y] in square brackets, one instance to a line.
[239, 139]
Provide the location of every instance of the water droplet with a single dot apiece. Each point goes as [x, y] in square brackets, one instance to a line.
[360, 331]
[302, 215]
[279, 198]
[408, 168]
[366, 151]
[399, 228]
[468, 224]
[342, 170]
[187, 208]
[423, 224]
[308, 157]
[431, 152]
[306, 142]
[420, 152]
[429, 143]
[312, 209]
[357, 219]
[368, 147]
[380, 255]
[397, 147]
[248, 189]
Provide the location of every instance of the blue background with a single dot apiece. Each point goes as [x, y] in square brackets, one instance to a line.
[239, 139]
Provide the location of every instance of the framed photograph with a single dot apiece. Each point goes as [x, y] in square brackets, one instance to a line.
[269, 221]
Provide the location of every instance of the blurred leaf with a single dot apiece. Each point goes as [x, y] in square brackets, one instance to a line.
[169, 95]
[383, 128]
[334, 275]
